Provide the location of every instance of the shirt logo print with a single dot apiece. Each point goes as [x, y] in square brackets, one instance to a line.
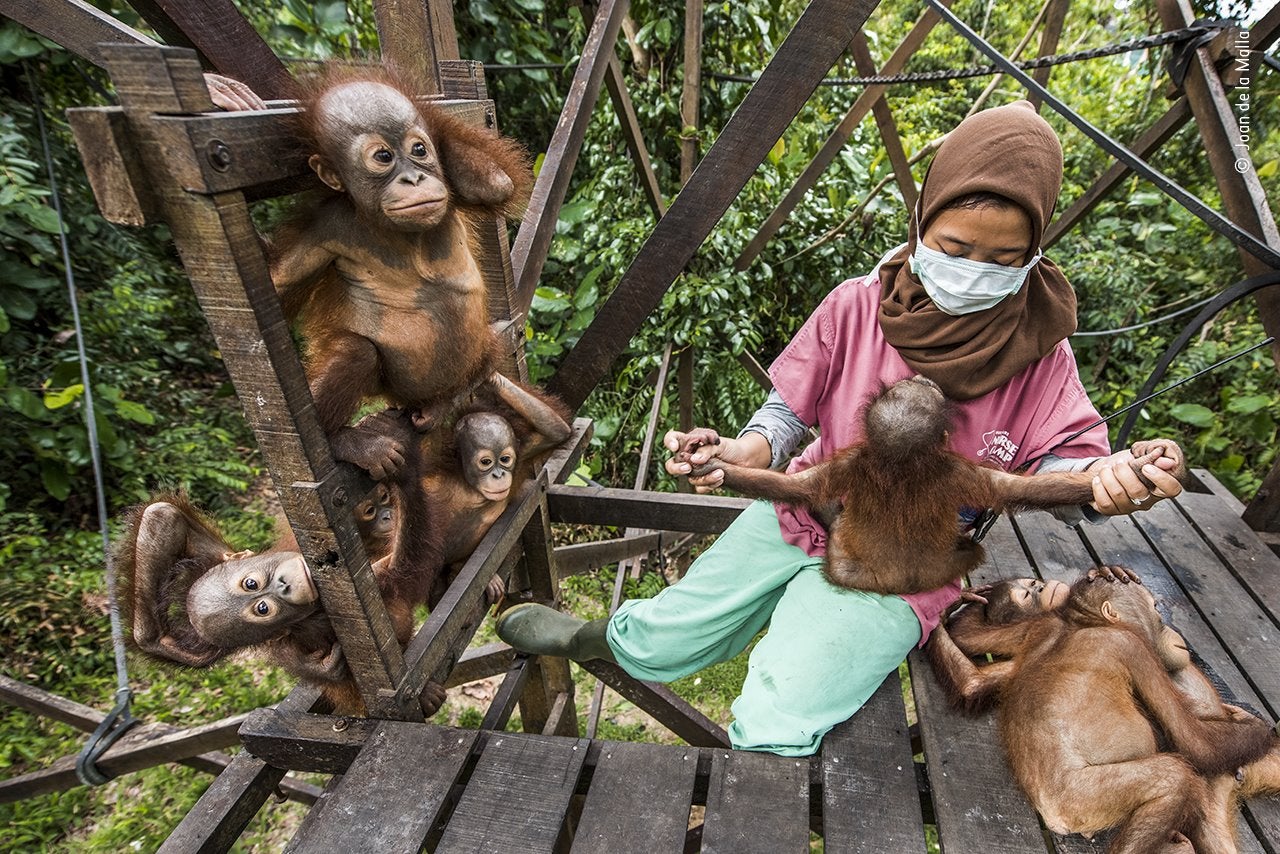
[998, 448]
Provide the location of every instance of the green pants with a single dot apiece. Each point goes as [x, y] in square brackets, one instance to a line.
[826, 651]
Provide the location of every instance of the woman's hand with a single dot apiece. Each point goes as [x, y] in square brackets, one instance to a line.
[1137, 478]
[702, 444]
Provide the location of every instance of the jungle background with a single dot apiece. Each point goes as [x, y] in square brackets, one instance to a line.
[168, 418]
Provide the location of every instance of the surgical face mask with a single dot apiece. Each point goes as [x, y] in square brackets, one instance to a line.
[960, 286]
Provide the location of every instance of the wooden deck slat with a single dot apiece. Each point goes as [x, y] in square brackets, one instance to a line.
[639, 799]
[976, 802]
[756, 802]
[869, 799]
[517, 797]
[391, 795]
[1250, 559]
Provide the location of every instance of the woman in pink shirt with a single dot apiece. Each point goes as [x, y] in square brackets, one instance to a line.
[969, 302]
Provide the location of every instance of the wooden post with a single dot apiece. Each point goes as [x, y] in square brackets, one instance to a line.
[886, 126]
[1054, 18]
[223, 256]
[538, 227]
[416, 35]
[690, 113]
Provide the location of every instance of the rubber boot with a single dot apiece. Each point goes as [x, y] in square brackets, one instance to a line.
[534, 628]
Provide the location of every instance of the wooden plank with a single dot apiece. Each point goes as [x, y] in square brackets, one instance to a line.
[691, 90]
[87, 718]
[870, 803]
[226, 808]
[836, 141]
[615, 82]
[323, 744]
[393, 793]
[517, 797]
[663, 704]
[599, 505]
[639, 799]
[529, 252]
[481, 662]
[141, 747]
[812, 47]
[743, 788]
[584, 557]
[887, 127]
[224, 38]
[977, 804]
[113, 166]
[1055, 15]
[231, 801]
[563, 461]
[508, 694]
[74, 24]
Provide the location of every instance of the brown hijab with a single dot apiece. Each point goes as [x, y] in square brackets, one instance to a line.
[1011, 151]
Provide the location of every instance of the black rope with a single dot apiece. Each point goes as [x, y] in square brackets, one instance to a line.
[1185, 34]
[1144, 324]
[120, 718]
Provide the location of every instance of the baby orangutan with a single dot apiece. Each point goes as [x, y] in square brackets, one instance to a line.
[895, 495]
[1083, 705]
[383, 273]
[190, 599]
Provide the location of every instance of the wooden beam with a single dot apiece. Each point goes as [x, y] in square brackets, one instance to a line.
[87, 718]
[836, 142]
[223, 37]
[632, 137]
[887, 127]
[1243, 196]
[141, 747]
[1049, 37]
[599, 505]
[529, 252]
[663, 704]
[819, 37]
[75, 24]
[584, 557]
[223, 257]
[481, 662]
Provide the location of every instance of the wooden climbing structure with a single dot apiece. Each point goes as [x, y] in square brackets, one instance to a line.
[399, 784]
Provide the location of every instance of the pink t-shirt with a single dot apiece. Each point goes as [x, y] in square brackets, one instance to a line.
[840, 358]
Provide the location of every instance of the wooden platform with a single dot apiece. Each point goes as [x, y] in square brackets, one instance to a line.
[874, 787]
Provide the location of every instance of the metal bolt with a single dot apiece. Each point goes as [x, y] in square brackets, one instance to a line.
[341, 724]
[489, 119]
[219, 155]
[340, 497]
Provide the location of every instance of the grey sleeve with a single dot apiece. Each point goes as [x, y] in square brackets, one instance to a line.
[781, 427]
[1071, 514]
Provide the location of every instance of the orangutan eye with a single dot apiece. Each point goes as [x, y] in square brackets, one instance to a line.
[382, 155]
[418, 150]
[262, 609]
[485, 462]
[505, 459]
[249, 584]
